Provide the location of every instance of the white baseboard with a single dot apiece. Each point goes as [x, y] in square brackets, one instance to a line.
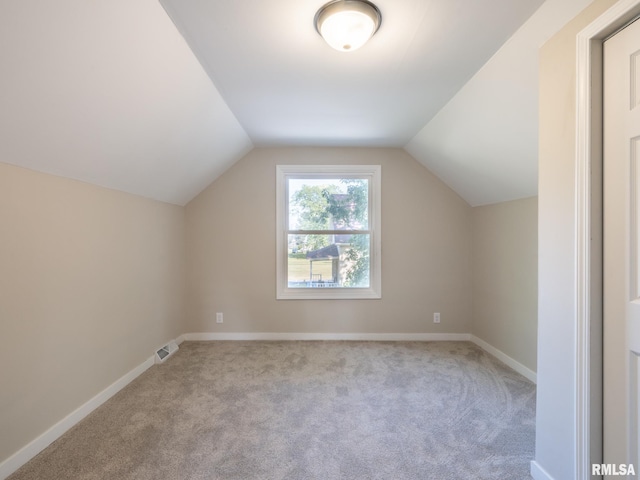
[13, 463]
[539, 473]
[22, 456]
[506, 359]
[381, 337]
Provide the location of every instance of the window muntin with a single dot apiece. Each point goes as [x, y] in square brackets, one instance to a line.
[328, 231]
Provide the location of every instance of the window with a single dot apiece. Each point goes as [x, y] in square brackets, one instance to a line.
[328, 231]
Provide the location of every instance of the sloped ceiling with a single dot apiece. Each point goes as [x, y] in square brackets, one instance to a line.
[484, 142]
[109, 93]
[286, 86]
[120, 94]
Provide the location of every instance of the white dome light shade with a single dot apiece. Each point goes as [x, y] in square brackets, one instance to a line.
[346, 25]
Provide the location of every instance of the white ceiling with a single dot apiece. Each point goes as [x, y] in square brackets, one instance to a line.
[484, 142]
[109, 92]
[286, 86]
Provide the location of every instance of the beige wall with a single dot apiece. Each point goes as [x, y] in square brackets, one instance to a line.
[426, 259]
[555, 419]
[505, 264]
[91, 279]
[91, 283]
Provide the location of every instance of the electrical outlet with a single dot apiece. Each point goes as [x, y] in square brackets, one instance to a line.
[436, 317]
[219, 318]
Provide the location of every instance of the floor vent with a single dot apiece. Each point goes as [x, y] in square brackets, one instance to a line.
[166, 351]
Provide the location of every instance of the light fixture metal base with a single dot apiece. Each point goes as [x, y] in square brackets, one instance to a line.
[336, 7]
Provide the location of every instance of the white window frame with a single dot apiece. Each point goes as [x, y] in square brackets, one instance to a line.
[371, 173]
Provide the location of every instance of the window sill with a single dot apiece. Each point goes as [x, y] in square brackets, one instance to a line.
[328, 294]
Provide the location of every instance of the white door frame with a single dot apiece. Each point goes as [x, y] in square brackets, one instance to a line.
[588, 235]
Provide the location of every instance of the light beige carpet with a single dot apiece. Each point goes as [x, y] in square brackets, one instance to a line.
[307, 410]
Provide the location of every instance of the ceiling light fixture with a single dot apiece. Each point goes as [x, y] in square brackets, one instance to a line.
[346, 25]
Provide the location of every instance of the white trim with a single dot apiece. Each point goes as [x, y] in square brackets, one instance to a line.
[373, 173]
[583, 255]
[17, 460]
[506, 359]
[381, 337]
[539, 473]
[377, 337]
[588, 41]
[33, 448]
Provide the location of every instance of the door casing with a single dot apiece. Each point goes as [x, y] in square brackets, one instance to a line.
[588, 235]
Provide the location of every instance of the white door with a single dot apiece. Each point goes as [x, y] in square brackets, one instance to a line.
[621, 223]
